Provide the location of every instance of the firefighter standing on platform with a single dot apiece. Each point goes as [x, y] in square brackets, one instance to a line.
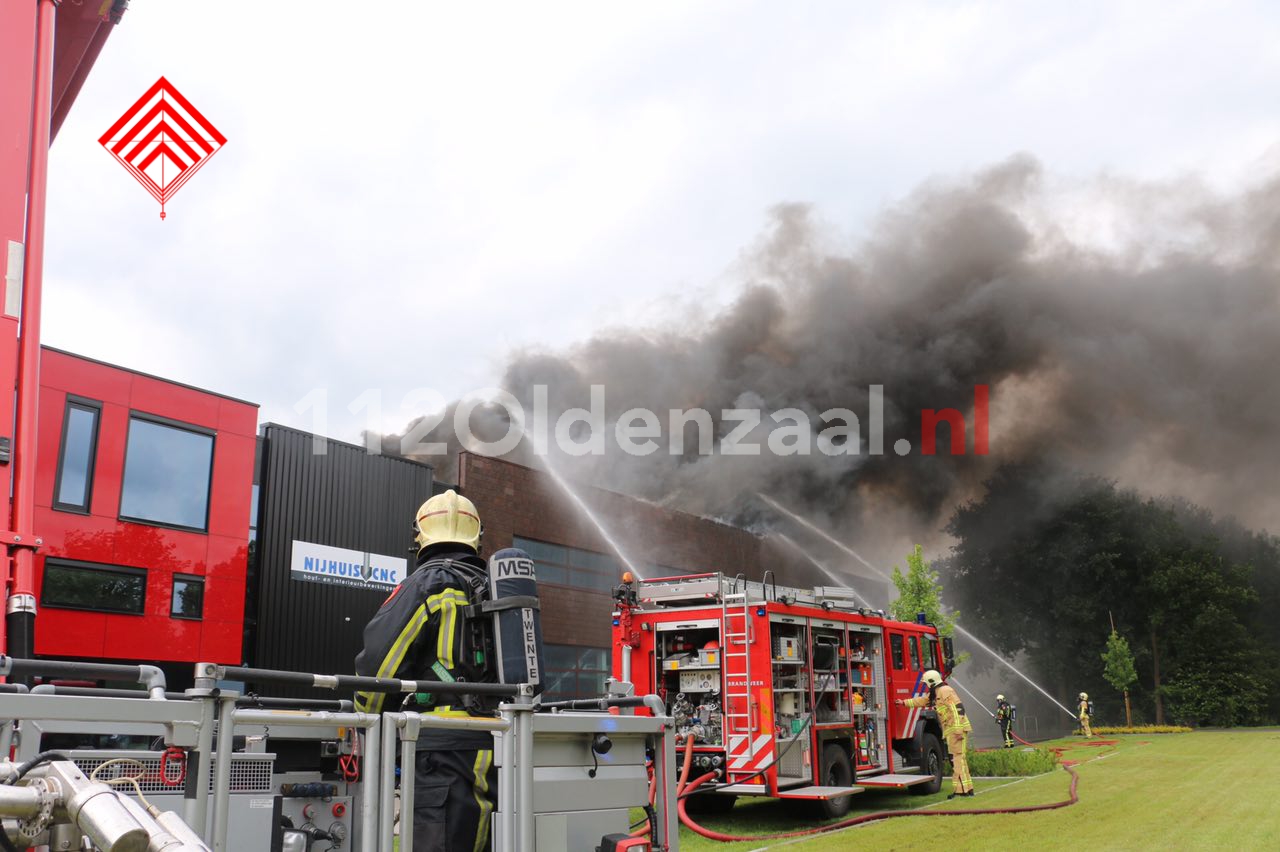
[419, 634]
[1004, 718]
[955, 728]
[1084, 714]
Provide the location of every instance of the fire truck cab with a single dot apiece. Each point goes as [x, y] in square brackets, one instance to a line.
[786, 693]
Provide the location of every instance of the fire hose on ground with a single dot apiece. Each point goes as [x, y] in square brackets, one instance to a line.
[1071, 799]
[684, 789]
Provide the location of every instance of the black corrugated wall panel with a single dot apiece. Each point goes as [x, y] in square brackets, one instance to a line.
[345, 498]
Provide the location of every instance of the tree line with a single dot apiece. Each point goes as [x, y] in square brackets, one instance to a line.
[1046, 563]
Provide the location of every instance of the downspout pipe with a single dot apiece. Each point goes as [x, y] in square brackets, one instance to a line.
[20, 609]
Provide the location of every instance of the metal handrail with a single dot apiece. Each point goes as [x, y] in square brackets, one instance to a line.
[260, 701]
[371, 723]
[150, 676]
[193, 714]
[407, 725]
[208, 674]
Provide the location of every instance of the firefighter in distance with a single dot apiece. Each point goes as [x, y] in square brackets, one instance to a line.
[1084, 714]
[422, 632]
[1004, 718]
[956, 728]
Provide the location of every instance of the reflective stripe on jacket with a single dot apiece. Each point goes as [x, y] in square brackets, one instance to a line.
[950, 710]
[418, 625]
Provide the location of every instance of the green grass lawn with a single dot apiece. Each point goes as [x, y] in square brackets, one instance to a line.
[1206, 790]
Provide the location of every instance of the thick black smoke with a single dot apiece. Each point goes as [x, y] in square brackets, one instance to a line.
[1143, 351]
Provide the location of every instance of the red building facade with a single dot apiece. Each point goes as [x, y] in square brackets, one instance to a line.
[144, 491]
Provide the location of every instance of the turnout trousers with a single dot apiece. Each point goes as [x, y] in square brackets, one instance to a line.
[1006, 728]
[1084, 724]
[454, 794]
[958, 744]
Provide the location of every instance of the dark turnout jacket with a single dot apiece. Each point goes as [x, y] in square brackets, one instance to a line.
[418, 634]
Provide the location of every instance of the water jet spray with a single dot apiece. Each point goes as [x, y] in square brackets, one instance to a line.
[831, 575]
[577, 501]
[966, 633]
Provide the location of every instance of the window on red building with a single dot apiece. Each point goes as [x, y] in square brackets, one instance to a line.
[167, 470]
[84, 585]
[188, 597]
[74, 481]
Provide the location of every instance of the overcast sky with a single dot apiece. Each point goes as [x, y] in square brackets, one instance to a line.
[411, 191]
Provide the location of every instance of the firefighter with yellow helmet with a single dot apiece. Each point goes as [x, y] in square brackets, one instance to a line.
[956, 727]
[419, 634]
[1084, 714]
[1004, 718]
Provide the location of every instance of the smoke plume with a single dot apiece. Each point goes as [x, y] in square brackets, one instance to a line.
[1124, 329]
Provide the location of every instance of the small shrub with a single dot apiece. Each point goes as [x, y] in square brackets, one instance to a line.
[1143, 729]
[1009, 762]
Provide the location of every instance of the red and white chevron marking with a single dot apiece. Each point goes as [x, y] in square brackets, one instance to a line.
[741, 758]
[162, 140]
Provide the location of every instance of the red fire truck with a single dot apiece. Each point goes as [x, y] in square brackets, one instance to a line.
[786, 693]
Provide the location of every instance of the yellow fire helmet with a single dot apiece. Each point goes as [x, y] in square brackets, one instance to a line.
[999, 698]
[1084, 696]
[448, 517]
[932, 678]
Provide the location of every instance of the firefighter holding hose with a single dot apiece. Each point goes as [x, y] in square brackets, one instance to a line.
[1004, 718]
[955, 727]
[420, 633]
[1084, 714]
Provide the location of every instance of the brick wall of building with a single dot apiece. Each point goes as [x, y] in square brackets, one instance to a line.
[517, 501]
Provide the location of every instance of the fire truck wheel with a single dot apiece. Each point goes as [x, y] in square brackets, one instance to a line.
[930, 764]
[836, 772]
[710, 803]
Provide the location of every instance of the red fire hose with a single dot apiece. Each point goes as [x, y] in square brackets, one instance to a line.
[848, 823]
[688, 762]
[1013, 734]
[680, 784]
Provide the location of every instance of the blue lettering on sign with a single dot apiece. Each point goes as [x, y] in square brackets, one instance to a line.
[336, 567]
[351, 571]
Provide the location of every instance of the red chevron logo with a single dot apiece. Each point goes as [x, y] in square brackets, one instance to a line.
[162, 140]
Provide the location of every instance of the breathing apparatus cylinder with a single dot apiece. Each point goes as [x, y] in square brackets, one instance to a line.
[517, 621]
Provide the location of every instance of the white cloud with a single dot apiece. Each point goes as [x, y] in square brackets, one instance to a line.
[408, 191]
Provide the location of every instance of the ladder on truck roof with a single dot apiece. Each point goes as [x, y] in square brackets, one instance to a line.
[709, 589]
[735, 654]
